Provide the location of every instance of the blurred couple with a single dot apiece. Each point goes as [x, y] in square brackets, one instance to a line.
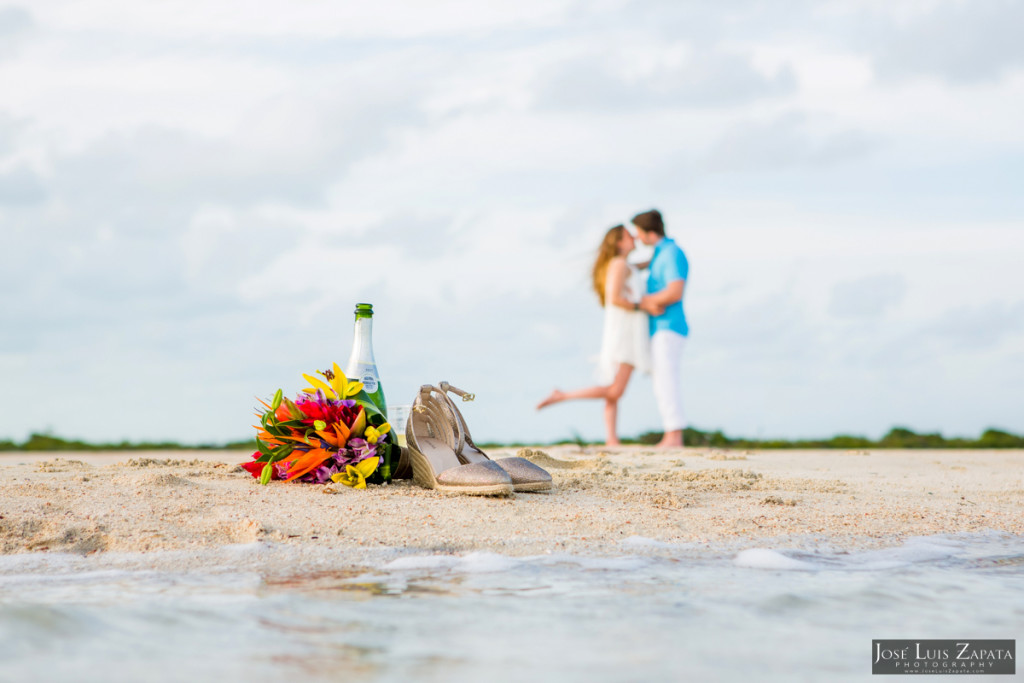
[644, 325]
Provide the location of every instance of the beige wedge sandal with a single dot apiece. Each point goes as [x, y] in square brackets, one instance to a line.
[434, 440]
[526, 476]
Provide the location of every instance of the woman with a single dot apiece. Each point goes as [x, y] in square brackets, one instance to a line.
[625, 345]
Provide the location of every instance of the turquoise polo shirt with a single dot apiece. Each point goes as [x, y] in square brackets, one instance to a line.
[668, 264]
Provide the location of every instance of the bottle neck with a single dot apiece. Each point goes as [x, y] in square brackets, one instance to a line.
[362, 344]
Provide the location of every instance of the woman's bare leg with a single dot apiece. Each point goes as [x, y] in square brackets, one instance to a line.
[611, 417]
[557, 396]
[611, 403]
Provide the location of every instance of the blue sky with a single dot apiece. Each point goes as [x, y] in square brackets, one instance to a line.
[193, 197]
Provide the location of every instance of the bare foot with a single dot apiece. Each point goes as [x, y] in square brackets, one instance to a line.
[555, 397]
[611, 444]
[672, 439]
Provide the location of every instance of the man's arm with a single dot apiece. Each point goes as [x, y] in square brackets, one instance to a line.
[672, 293]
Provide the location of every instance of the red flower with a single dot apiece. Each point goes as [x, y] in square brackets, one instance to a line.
[256, 468]
[331, 412]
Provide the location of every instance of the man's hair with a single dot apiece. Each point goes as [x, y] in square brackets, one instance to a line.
[650, 221]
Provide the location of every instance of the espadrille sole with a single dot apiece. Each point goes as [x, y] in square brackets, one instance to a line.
[533, 487]
[423, 475]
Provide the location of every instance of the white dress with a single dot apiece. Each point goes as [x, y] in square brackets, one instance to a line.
[627, 337]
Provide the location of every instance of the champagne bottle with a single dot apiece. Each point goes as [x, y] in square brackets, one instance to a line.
[361, 365]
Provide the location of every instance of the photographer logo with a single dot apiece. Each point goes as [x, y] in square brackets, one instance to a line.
[943, 656]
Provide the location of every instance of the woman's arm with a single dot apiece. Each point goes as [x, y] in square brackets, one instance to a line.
[616, 277]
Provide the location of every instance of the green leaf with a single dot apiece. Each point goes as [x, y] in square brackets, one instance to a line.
[273, 455]
[294, 410]
[363, 399]
[383, 473]
[376, 418]
[281, 453]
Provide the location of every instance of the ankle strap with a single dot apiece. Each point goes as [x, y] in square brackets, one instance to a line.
[460, 422]
[466, 396]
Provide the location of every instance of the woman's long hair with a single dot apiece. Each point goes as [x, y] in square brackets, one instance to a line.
[608, 250]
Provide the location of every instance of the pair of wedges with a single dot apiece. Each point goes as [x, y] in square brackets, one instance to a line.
[443, 456]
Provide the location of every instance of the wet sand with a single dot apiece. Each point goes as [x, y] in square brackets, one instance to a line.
[145, 502]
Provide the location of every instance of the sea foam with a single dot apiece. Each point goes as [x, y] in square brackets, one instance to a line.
[763, 558]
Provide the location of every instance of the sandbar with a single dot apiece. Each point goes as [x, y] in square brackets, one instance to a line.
[150, 503]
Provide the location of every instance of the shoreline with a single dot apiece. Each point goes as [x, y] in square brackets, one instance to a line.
[148, 503]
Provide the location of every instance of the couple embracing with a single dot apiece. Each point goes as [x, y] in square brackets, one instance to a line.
[644, 325]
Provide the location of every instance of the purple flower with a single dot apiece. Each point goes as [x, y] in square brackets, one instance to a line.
[354, 452]
[361, 450]
[321, 475]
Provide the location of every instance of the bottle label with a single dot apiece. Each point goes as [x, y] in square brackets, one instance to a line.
[367, 374]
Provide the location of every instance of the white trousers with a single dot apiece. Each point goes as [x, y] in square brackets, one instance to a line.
[666, 358]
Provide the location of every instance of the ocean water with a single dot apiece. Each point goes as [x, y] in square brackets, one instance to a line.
[647, 611]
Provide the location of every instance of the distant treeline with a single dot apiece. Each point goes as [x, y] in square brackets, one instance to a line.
[49, 442]
[898, 437]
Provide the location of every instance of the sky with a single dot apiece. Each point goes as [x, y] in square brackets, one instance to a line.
[194, 195]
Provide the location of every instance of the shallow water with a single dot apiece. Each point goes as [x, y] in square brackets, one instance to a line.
[650, 612]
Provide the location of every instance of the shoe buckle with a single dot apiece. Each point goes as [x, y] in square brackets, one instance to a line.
[466, 396]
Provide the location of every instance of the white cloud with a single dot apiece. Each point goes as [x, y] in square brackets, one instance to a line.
[194, 196]
[387, 19]
[867, 297]
[20, 186]
[955, 40]
[790, 139]
[601, 81]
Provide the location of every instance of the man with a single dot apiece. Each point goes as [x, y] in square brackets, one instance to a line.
[664, 302]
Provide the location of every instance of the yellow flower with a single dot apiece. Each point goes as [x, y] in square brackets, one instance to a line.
[339, 386]
[372, 434]
[355, 476]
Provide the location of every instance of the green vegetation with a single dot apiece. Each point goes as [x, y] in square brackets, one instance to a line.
[49, 442]
[898, 437]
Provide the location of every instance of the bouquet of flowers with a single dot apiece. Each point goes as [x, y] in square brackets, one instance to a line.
[330, 432]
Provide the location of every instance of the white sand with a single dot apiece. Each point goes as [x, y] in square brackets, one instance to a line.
[182, 500]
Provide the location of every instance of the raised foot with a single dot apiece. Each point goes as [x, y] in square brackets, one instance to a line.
[555, 397]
